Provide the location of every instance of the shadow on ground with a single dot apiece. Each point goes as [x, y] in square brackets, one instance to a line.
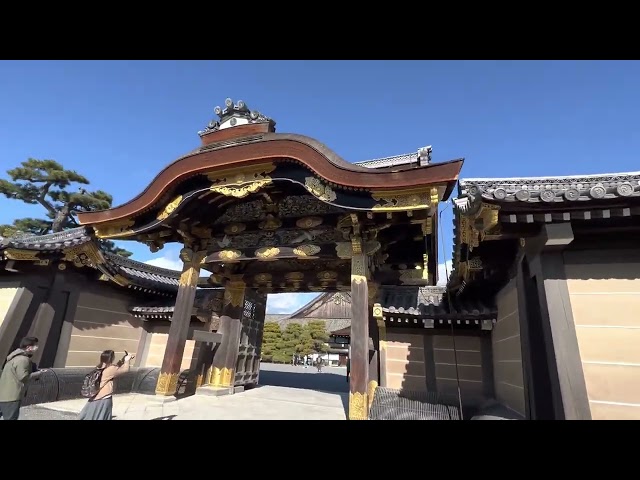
[167, 417]
[306, 379]
[324, 381]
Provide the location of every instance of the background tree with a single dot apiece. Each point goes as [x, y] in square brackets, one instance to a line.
[272, 337]
[317, 337]
[47, 183]
[291, 340]
[304, 346]
[280, 347]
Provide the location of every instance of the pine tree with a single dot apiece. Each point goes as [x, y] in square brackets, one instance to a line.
[315, 333]
[47, 183]
[292, 339]
[272, 336]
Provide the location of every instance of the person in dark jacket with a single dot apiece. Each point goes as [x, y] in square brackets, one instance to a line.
[14, 378]
[348, 368]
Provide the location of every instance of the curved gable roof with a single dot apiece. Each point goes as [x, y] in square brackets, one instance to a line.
[275, 147]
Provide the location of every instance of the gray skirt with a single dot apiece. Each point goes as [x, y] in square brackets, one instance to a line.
[97, 410]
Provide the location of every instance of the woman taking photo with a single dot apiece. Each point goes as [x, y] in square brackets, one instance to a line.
[100, 406]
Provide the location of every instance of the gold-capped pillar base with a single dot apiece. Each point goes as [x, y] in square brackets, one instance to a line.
[371, 391]
[358, 406]
[208, 376]
[221, 377]
[167, 384]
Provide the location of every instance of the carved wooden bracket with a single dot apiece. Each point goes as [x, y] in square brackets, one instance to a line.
[118, 228]
[84, 255]
[17, 254]
[479, 226]
[345, 250]
[170, 208]
[471, 267]
[234, 290]
[240, 182]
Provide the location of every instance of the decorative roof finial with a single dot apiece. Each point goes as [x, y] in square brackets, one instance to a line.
[235, 116]
[424, 155]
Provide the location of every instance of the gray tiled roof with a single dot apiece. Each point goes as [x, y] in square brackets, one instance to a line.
[475, 309]
[205, 302]
[51, 241]
[553, 190]
[411, 298]
[546, 199]
[144, 274]
[430, 302]
[393, 161]
[136, 272]
[151, 311]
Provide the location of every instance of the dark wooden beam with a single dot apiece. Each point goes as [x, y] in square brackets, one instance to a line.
[50, 318]
[306, 252]
[433, 250]
[576, 214]
[359, 371]
[374, 352]
[203, 364]
[62, 351]
[549, 304]
[179, 329]
[206, 337]
[409, 276]
[226, 355]
[382, 344]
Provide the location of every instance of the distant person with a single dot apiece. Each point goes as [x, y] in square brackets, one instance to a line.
[15, 376]
[348, 368]
[319, 364]
[100, 404]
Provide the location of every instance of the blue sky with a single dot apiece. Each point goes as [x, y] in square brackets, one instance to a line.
[120, 122]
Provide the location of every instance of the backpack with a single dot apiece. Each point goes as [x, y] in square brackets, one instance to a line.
[91, 383]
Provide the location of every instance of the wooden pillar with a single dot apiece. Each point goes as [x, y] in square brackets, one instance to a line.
[48, 320]
[226, 355]
[374, 345]
[550, 329]
[219, 353]
[204, 362]
[179, 329]
[207, 354]
[382, 344]
[359, 371]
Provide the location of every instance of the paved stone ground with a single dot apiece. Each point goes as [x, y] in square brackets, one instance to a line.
[37, 412]
[331, 379]
[285, 393]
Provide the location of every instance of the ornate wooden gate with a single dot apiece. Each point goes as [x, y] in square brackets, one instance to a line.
[248, 365]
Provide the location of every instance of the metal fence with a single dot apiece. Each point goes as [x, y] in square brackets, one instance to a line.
[58, 384]
[392, 404]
